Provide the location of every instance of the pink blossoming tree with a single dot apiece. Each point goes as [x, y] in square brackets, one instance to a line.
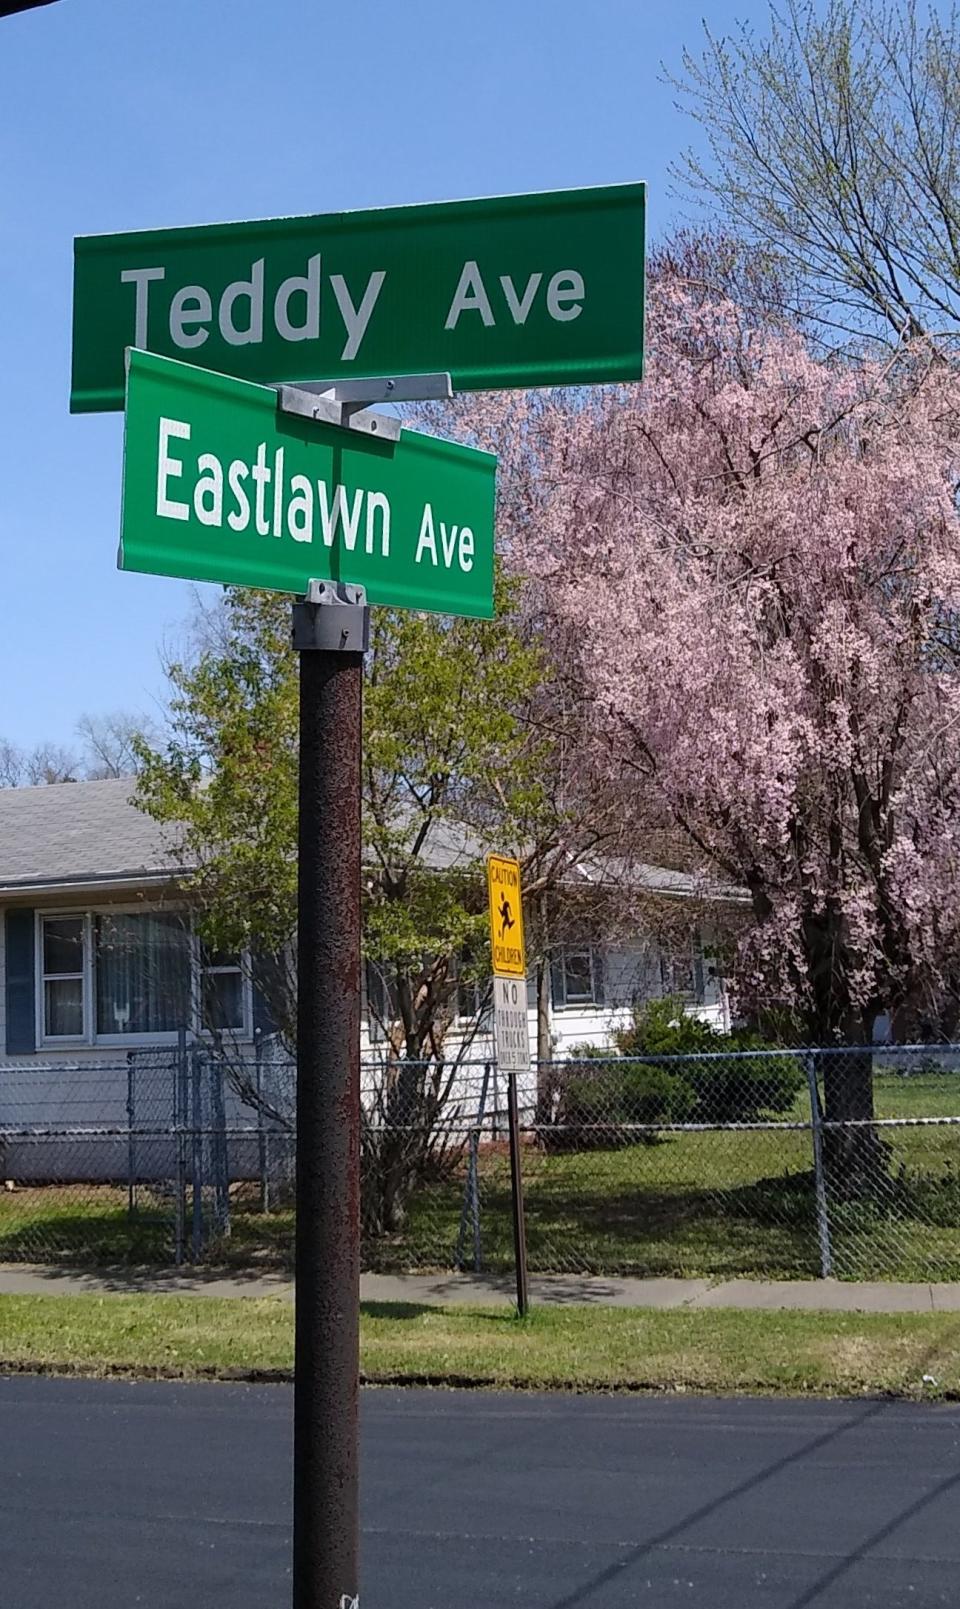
[756, 556]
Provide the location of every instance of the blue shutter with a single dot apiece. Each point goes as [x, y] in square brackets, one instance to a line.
[263, 1023]
[380, 1001]
[558, 982]
[699, 979]
[20, 964]
[598, 957]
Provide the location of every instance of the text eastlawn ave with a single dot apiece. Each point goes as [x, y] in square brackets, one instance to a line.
[220, 486]
[294, 506]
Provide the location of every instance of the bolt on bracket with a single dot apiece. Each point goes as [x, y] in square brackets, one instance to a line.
[333, 616]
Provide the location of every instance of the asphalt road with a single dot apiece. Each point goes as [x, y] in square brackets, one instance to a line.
[177, 1497]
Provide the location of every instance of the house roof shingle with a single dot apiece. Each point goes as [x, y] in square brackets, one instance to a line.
[78, 832]
[83, 833]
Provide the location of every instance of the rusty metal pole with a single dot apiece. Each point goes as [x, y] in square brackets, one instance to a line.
[516, 1191]
[331, 632]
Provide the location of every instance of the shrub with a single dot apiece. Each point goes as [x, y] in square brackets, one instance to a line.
[654, 1094]
[599, 1097]
[744, 1091]
[664, 1028]
[738, 1090]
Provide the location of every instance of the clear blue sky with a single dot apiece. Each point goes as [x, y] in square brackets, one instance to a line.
[132, 114]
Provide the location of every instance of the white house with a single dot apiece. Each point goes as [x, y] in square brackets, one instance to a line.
[97, 955]
[98, 960]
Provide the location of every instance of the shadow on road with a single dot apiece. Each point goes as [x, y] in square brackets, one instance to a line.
[636, 1555]
[840, 1569]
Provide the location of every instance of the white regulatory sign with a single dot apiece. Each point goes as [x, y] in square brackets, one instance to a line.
[511, 1025]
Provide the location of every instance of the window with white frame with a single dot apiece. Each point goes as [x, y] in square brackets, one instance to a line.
[682, 974]
[115, 974]
[474, 994]
[576, 972]
[222, 1003]
[475, 1000]
[142, 966]
[63, 949]
[470, 998]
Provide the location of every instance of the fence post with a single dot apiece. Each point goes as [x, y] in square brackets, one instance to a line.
[131, 1141]
[516, 1192]
[820, 1182]
[219, 1149]
[262, 1152]
[471, 1193]
[179, 1121]
[475, 1193]
[196, 1152]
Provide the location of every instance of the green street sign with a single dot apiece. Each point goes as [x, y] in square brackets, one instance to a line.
[219, 485]
[512, 291]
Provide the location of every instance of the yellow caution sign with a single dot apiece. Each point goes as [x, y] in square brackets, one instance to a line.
[506, 917]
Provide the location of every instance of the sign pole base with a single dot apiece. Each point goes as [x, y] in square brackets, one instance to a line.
[330, 631]
[516, 1192]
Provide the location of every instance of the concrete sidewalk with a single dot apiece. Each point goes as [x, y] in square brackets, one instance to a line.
[837, 1296]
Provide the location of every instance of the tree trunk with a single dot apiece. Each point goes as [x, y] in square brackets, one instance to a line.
[852, 1155]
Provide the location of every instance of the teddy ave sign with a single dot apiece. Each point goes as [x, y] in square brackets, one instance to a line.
[528, 290]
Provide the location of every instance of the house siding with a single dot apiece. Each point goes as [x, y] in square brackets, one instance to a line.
[630, 974]
[79, 1086]
[3, 978]
[108, 1095]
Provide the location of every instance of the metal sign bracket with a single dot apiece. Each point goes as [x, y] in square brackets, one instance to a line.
[346, 402]
[333, 616]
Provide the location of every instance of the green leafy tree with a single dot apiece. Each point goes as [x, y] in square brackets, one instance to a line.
[452, 767]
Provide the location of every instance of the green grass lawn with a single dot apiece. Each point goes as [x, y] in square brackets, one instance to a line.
[84, 1223]
[917, 1094]
[716, 1205]
[567, 1348]
[720, 1204]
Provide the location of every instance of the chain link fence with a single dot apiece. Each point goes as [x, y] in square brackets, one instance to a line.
[762, 1164]
[767, 1164]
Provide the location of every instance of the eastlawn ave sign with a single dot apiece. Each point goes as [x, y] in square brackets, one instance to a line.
[218, 485]
[513, 291]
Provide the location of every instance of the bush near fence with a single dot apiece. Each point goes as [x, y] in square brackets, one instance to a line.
[639, 1169]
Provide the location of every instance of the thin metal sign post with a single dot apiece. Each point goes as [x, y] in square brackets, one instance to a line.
[427, 544]
[516, 1192]
[331, 632]
[511, 1028]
